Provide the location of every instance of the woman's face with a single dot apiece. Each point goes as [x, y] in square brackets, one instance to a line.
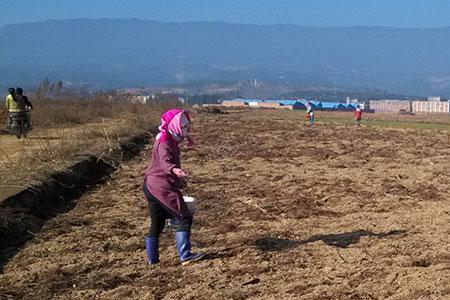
[185, 125]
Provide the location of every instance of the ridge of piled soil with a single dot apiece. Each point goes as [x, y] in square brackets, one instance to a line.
[23, 214]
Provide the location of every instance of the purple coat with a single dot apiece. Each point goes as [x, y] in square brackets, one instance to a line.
[159, 179]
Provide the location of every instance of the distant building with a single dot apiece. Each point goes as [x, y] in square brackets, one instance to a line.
[140, 99]
[258, 103]
[430, 106]
[394, 106]
[434, 98]
[289, 104]
[349, 100]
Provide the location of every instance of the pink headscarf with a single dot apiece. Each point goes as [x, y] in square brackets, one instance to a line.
[171, 124]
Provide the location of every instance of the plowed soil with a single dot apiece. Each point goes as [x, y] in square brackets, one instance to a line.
[284, 211]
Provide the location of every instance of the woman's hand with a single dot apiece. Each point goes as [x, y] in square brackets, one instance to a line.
[183, 183]
[179, 172]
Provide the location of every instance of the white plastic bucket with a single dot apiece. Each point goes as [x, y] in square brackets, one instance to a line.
[190, 203]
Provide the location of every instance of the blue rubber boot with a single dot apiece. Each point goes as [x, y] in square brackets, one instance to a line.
[152, 244]
[183, 239]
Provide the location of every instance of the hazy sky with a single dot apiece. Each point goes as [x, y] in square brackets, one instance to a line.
[395, 13]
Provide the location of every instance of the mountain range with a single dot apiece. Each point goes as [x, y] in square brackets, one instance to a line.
[118, 53]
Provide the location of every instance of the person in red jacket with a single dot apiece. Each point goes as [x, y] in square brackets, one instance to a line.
[163, 179]
[358, 115]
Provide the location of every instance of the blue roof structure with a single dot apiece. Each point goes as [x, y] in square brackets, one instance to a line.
[330, 105]
[287, 102]
[301, 104]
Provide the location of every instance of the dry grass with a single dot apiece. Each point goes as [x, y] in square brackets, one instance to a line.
[2, 114]
[66, 130]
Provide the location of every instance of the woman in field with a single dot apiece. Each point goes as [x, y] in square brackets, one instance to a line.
[163, 179]
[358, 115]
[310, 114]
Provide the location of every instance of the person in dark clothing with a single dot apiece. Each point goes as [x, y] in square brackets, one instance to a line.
[20, 97]
[19, 93]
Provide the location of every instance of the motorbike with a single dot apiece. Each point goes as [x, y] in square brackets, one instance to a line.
[19, 123]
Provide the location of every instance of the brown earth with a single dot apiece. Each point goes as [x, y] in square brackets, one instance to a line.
[284, 212]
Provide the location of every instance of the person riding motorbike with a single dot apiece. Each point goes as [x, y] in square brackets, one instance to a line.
[18, 120]
[9, 101]
[28, 107]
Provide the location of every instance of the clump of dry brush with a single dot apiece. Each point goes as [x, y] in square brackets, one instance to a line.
[72, 109]
[2, 113]
[71, 125]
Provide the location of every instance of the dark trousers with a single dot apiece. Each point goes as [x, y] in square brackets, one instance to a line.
[159, 214]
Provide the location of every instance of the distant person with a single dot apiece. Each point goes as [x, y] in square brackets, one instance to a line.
[19, 93]
[11, 106]
[310, 113]
[16, 104]
[163, 179]
[27, 106]
[358, 115]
